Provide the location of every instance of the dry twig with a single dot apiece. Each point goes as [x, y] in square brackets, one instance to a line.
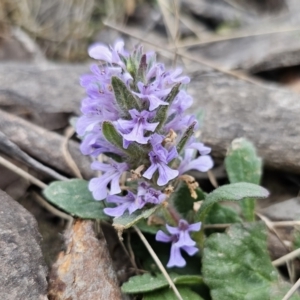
[293, 289]
[203, 61]
[158, 262]
[38, 183]
[283, 259]
[22, 173]
[69, 159]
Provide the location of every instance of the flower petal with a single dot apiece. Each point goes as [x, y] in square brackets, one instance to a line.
[203, 150]
[185, 239]
[116, 211]
[150, 171]
[172, 230]
[97, 165]
[190, 250]
[115, 185]
[165, 174]
[99, 188]
[100, 52]
[155, 102]
[194, 227]
[176, 259]
[162, 237]
[115, 199]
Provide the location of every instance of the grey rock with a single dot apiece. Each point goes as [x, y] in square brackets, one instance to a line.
[23, 272]
[278, 47]
[289, 209]
[42, 87]
[44, 145]
[268, 115]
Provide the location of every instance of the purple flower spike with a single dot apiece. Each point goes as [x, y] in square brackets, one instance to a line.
[160, 157]
[113, 172]
[133, 130]
[180, 239]
[128, 202]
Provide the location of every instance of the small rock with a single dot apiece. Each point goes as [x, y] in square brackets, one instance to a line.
[84, 271]
[23, 272]
[286, 210]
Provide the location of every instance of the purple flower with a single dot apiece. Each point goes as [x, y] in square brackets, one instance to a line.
[202, 149]
[180, 123]
[181, 103]
[147, 194]
[113, 172]
[172, 77]
[131, 202]
[100, 75]
[180, 239]
[155, 71]
[102, 52]
[153, 94]
[128, 202]
[94, 144]
[133, 130]
[160, 157]
[202, 164]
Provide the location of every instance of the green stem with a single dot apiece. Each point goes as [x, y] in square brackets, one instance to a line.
[171, 215]
[199, 237]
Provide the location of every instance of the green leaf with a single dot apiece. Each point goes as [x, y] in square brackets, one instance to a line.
[220, 214]
[187, 134]
[143, 226]
[231, 192]
[124, 97]
[168, 294]
[148, 283]
[243, 165]
[236, 265]
[182, 199]
[127, 220]
[74, 197]
[161, 114]
[112, 135]
[141, 71]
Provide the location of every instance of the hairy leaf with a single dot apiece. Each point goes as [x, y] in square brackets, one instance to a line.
[112, 135]
[124, 97]
[161, 114]
[243, 165]
[148, 283]
[187, 134]
[237, 266]
[168, 294]
[143, 226]
[183, 201]
[231, 192]
[74, 197]
[220, 214]
[127, 220]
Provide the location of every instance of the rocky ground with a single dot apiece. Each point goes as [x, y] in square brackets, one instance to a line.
[243, 59]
